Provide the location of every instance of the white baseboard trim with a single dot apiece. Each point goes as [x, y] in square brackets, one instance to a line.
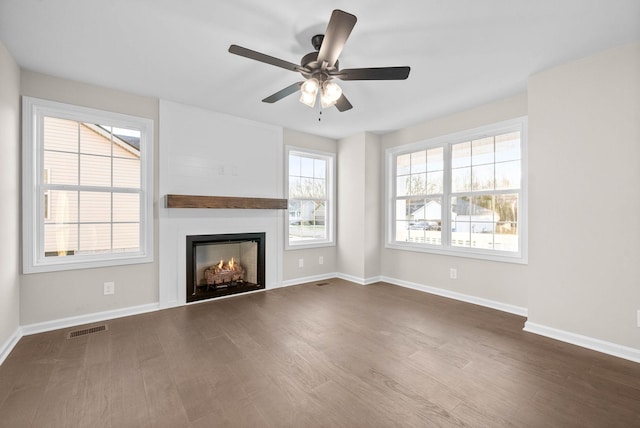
[359, 280]
[504, 307]
[9, 344]
[87, 319]
[305, 279]
[620, 351]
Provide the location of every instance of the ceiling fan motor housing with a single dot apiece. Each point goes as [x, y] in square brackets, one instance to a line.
[310, 62]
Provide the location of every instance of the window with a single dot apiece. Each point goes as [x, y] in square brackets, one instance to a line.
[462, 194]
[87, 187]
[310, 189]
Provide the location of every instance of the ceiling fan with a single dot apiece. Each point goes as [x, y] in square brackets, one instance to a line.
[321, 67]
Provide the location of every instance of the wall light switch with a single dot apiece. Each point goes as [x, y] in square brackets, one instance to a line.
[300, 263]
[109, 288]
[320, 260]
[453, 273]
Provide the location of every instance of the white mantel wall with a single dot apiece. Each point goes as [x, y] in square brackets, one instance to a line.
[207, 153]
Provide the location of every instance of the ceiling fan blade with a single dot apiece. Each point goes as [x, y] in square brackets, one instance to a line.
[338, 30]
[248, 53]
[375, 73]
[343, 103]
[283, 93]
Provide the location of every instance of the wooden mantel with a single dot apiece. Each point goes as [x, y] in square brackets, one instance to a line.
[193, 201]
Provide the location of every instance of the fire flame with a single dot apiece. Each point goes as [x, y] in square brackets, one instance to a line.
[221, 264]
[232, 263]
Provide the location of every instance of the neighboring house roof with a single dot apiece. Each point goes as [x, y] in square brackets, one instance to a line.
[132, 141]
[131, 144]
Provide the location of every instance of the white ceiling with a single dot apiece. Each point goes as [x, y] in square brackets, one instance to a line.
[462, 53]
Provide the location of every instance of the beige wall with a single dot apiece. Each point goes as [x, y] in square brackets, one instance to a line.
[373, 208]
[584, 162]
[496, 281]
[10, 195]
[351, 200]
[311, 256]
[56, 295]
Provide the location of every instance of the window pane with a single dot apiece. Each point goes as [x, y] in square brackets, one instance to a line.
[307, 221]
[435, 159]
[403, 164]
[508, 147]
[294, 165]
[60, 134]
[508, 175]
[320, 213]
[418, 162]
[126, 207]
[95, 238]
[126, 173]
[403, 185]
[295, 188]
[482, 177]
[435, 182]
[95, 207]
[95, 170]
[418, 184]
[294, 211]
[62, 167]
[319, 168]
[461, 155]
[306, 167]
[95, 139]
[126, 237]
[60, 240]
[482, 151]
[461, 180]
[63, 206]
[402, 231]
[507, 210]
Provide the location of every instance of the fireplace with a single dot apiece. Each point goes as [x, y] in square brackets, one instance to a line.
[220, 265]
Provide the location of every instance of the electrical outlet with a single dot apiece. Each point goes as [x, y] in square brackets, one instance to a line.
[109, 288]
[300, 263]
[453, 273]
[320, 260]
[638, 320]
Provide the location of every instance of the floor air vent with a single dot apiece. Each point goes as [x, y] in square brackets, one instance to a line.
[320, 284]
[86, 331]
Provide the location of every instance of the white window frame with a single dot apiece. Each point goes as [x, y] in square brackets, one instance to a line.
[33, 112]
[446, 141]
[330, 215]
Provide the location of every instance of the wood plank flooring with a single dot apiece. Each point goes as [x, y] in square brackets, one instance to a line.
[338, 355]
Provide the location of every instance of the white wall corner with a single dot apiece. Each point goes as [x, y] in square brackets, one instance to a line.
[359, 280]
[620, 351]
[9, 344]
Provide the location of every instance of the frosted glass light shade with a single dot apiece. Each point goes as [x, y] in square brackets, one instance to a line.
[330, 93]
[308, 91]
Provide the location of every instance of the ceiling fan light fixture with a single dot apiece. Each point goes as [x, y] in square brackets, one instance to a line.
[308, 91]
[331, 92]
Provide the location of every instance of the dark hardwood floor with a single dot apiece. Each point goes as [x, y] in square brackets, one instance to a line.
[338, 355]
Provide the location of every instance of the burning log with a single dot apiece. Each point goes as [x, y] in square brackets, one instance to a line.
[224, 273]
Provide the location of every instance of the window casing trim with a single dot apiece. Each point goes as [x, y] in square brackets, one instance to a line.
[521, 256]
[330, 222]
[33, 112]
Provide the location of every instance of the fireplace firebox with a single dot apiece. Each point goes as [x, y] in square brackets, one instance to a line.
[224, 264]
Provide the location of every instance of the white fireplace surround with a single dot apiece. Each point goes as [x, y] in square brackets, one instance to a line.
[211, 154]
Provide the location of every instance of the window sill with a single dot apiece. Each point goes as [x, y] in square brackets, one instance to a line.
[86, 264]
[309, 245]
[517, 258]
